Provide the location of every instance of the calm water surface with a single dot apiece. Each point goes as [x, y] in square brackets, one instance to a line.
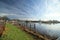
[52, 30]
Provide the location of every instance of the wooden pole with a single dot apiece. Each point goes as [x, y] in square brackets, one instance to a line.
[30, 26]
[35, 28]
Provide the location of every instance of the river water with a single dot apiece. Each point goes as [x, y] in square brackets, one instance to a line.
[53, 30]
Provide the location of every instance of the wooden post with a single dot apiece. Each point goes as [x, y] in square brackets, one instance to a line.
[23, 24]
[26, 23]
[35, 28]
[30, 27]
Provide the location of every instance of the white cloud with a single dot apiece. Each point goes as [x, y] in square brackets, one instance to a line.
[55, 1]
[5, 14]
[8, 14]
[28, 19]
[55, 14]
[51, 16]
[53, 10]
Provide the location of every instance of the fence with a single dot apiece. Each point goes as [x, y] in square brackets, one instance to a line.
[31, 28]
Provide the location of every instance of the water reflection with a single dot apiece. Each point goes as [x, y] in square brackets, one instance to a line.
[53, 30]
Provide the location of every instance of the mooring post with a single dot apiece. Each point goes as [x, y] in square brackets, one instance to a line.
[30, 26]
[24, 26]
[26, 23]
[35, 28]
[21, 24]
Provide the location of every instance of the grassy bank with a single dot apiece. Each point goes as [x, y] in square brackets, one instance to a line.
[13, 33]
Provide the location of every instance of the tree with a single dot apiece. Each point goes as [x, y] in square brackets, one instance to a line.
[5, 18]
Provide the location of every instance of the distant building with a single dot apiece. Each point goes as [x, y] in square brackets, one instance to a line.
[14, 22]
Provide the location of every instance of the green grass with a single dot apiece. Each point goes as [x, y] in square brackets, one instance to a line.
[13, 33]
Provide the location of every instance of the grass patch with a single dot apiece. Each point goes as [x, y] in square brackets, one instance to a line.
[13, 33]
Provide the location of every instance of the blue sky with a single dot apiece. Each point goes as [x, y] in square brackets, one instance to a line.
[30, 9]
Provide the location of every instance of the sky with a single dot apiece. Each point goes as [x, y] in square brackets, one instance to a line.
[31, 9]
